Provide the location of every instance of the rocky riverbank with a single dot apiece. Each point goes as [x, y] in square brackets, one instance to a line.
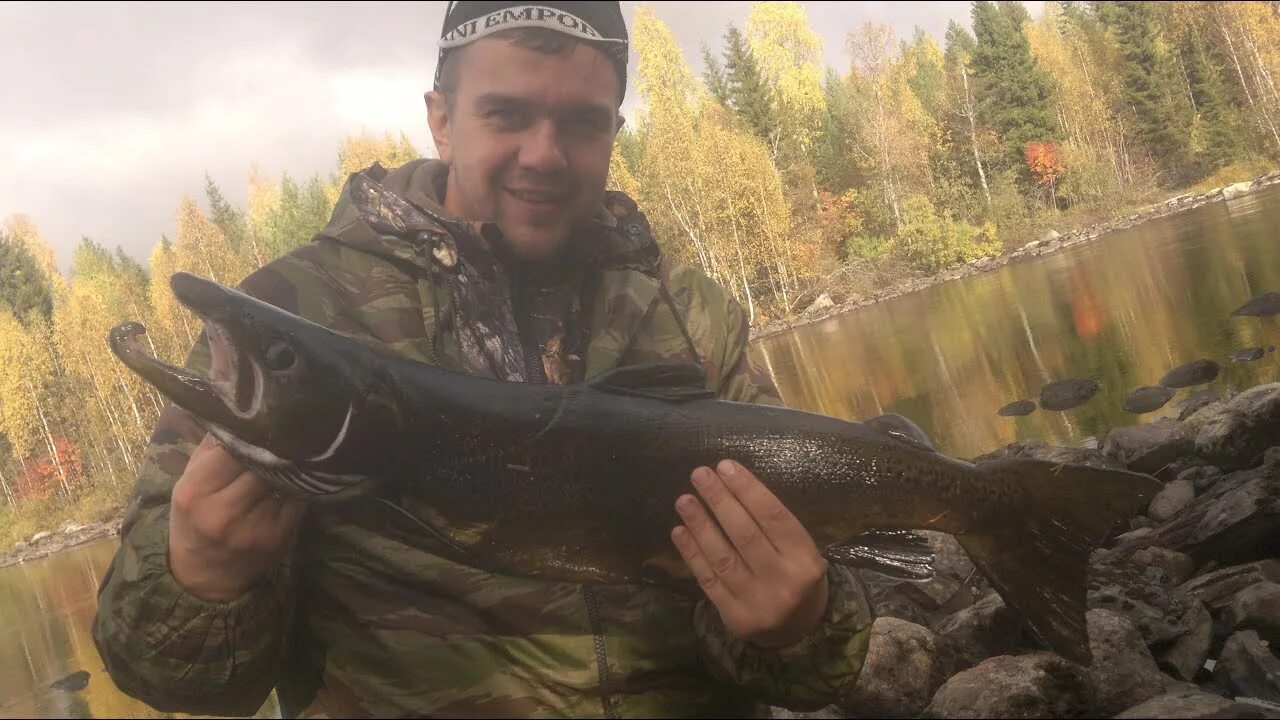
[1184, 608]
[48, 542]
[1052, 242]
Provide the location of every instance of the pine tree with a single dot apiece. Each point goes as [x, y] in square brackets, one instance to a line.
[1150, 84]
[1215, 137]
[23, 289]
[714, 77]
[228, 219]
[751, 99]
[1015, 96]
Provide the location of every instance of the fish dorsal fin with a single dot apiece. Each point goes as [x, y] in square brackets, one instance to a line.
[901, 429]
[671, 382]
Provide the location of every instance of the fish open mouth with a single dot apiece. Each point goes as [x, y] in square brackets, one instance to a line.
[233, 374]
[232, 392]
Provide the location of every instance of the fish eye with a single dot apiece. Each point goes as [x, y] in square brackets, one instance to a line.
[280, 357]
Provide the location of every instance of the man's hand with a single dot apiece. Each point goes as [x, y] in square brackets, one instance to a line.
[226, 528]
[766, 578]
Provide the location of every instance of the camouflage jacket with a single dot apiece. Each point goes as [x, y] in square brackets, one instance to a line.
[366, 620]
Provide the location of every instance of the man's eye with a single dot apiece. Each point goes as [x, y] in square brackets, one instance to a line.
[505, 116]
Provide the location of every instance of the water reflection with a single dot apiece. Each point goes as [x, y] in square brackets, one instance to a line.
[1123, 310]
[48, 607]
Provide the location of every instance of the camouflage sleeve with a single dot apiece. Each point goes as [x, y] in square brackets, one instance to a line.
[161, 644]
[822, 668]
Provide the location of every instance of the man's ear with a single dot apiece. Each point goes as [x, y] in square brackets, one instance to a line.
[439, 121]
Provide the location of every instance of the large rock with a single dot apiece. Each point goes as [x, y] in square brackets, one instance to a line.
[901, 671]
[1247, 425]
[1123, 673]
[1195, 402]
[1246, 667]
[1240, 526]
[1219, 588]
[823, 302]
[1144, 595]
[1147, 448]
[1237, 521]
[1257, 608]
[986, 629]
[1186, 656]
[1186, 703]
[1201, 477]
[1235, 190]
[1037, 684]
[1171, 498]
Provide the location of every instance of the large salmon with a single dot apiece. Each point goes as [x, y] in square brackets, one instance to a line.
[578, 482]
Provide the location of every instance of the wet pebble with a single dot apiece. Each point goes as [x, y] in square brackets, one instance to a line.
[1260, 306]
[1067, 394]
[1247, 354]
[1147, 398]
[1017, 407]
[1196, 372]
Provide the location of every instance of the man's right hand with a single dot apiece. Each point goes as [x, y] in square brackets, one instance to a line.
[227, 529]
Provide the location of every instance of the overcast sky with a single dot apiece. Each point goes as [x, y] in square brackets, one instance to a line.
[113, 111]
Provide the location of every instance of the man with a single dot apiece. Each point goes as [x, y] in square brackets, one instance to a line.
[222, 591]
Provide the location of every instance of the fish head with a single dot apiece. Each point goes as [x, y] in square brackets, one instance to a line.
[282, 392]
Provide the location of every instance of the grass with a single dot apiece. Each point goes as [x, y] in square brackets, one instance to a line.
[99, 502]
[1236, 172]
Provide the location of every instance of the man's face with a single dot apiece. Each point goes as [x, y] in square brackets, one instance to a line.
[527, 139]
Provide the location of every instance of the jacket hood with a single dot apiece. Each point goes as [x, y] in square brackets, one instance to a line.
[616, 238]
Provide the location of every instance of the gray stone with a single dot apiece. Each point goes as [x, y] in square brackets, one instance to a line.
[1247, 667]
[1202, 477]
[1219, 588]
[986, 629]
[1180, 704]
[1123, 673]
[1247, 425]
[1038, 684]
[1172, 498]
[1146, 448]
[40, 536]
[901, 671]
[1177, 566]
[1257, 608]
[1186, 656]
[1235, 190]
[1144, 596]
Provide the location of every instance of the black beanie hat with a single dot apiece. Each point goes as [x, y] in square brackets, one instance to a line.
[598, 22]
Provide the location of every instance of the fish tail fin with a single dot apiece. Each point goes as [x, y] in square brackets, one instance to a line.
[1040, 565]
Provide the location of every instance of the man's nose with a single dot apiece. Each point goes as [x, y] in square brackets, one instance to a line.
[542, 149]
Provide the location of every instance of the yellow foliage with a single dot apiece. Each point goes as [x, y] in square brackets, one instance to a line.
[789, 53]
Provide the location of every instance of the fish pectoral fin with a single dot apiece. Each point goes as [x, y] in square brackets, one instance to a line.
[899, 554]
[670, 382]
[431, 529]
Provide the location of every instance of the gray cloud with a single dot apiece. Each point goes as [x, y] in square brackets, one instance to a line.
[113, 112]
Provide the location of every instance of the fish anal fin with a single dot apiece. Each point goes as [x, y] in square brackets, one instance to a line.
[899, 554]
[671, 382]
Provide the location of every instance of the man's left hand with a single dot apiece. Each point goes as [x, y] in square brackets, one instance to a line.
[766, 578]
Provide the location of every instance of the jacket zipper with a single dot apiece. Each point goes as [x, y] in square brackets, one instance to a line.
[602, 658]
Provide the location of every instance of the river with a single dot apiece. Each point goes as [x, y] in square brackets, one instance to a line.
[1122, 310]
